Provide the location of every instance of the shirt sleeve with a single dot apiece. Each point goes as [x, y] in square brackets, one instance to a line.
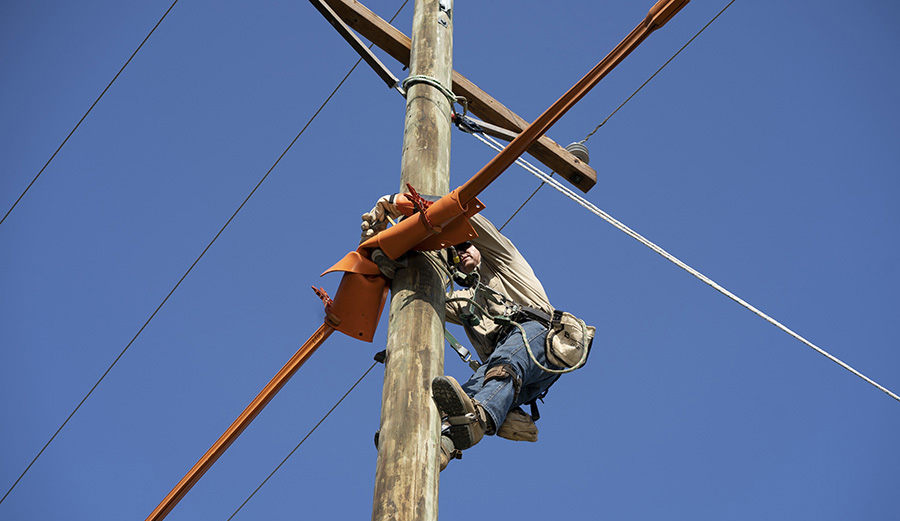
[508, 270]
[490, 242]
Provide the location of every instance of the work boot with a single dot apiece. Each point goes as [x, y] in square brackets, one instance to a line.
[448, 452]
[518, 426]
[467, 418]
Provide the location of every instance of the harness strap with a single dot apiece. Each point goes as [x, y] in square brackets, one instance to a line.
[463, 353]
[535, 413]
[502, 372]
[526, 313]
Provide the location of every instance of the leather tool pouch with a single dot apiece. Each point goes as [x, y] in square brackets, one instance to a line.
[568, 340]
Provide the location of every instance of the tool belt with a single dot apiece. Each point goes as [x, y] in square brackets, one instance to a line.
[569, 339]
[567, 345]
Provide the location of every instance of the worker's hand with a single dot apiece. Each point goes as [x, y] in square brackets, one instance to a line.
[375, 221]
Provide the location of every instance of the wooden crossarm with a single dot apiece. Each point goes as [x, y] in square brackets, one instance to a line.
[397, 45]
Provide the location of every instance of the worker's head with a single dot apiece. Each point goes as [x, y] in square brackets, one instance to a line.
[469, 257]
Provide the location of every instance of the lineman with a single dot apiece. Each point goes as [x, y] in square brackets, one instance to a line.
[507, 317]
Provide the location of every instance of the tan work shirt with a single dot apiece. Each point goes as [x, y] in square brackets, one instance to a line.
[504, 270]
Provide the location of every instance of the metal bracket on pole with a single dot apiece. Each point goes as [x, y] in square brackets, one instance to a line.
[476, 126]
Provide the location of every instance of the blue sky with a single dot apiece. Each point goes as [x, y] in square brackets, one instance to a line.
[765, 156]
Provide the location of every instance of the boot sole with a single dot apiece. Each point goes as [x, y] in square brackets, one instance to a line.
[447, 397]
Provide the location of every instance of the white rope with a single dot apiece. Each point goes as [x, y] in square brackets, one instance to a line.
[608, 218]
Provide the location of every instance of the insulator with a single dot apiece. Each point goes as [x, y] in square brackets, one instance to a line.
[580, 151]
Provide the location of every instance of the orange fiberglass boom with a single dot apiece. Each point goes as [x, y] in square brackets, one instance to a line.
[361, 296]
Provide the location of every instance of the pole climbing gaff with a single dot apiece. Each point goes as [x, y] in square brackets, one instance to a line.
[363, 290]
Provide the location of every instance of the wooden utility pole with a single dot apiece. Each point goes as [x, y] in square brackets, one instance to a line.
[406, 481]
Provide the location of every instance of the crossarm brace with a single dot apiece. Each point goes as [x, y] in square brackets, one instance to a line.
[364, 52]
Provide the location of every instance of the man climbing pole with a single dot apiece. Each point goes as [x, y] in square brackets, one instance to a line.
[524, 343]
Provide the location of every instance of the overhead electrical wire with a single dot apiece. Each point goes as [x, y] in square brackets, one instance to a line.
[683, 47]
[668, 256]
[519, 209]
[32, 183]
[633, 94]
[291, 453]
[208, 246]
[83, 118]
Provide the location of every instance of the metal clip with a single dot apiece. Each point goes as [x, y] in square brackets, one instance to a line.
[462, 420]
[466, 124]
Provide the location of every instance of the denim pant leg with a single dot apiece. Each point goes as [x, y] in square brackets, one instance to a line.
[498, 396]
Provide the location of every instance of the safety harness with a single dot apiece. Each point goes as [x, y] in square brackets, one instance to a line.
[511, 319]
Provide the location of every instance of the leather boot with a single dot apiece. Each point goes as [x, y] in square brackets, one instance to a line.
[467, 418]
[518, 426]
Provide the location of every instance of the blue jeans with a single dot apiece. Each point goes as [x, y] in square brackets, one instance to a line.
[499, 396]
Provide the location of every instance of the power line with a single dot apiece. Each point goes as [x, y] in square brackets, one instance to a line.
[83, 118]
[668, 256]
[291, 453]
[208, 246]
[633, 94]
[591, 133]
[523, 204]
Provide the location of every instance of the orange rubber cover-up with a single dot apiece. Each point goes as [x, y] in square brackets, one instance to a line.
[358, 304]
[360, 298]
[449, 221]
